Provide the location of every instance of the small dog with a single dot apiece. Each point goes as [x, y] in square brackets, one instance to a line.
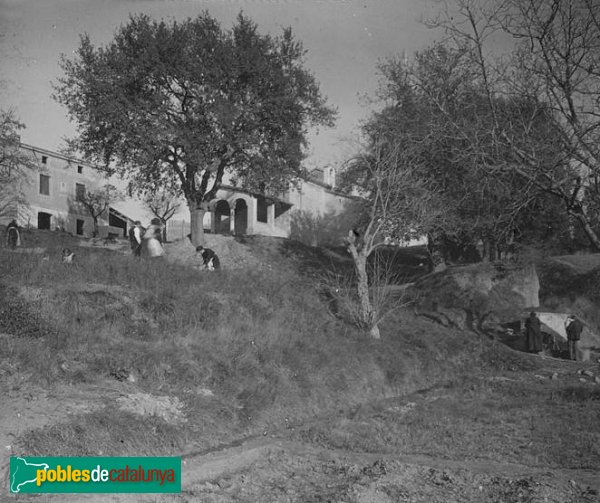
[67, 256]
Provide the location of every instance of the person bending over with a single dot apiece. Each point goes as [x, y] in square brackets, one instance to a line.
[210, 259]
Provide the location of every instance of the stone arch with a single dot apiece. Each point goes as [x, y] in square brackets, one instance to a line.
[222, 215]
[241, 217]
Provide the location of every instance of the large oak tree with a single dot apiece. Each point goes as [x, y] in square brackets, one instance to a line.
[175, 105]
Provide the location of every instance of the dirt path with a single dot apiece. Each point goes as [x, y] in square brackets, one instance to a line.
[281, 468]
[215, 465]
[299, 463]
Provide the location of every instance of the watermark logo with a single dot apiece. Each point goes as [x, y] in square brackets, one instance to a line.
[95, 475]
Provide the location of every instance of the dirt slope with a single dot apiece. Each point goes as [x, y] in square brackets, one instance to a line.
[357, 456]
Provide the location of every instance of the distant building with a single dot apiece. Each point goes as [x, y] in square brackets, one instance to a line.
[237, 211]
[51, 193]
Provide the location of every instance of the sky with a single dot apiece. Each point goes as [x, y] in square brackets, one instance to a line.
[344, 40]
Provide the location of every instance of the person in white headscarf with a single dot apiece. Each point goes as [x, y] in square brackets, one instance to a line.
[152, 240]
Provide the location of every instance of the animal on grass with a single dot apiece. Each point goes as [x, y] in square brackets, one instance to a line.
[210, 259]
[67, 256]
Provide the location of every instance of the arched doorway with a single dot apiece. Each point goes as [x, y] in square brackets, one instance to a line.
[222, 217]
[241, 217]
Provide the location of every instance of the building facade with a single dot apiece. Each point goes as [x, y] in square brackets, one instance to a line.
[49, 195]
[235, 211]
[53, 188]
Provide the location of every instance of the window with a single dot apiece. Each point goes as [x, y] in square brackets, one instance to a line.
[80, 227]
[261, 209]
[79, 191]
[79, 169]
[45, 185]
[44, 220]
[44, 159]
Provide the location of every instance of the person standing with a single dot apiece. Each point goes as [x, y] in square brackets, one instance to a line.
[135, 238]
[533, 332]
[574, 328]
[152, 240]
[13, 234]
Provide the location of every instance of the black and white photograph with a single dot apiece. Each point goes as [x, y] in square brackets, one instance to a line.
[300, 251]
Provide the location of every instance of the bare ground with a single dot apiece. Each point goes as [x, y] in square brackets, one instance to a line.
[371, 463]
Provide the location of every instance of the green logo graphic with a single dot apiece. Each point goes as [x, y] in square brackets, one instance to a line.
[95, 475]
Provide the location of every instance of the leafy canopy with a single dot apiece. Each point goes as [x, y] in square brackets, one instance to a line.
[172, 105]
[436, 109]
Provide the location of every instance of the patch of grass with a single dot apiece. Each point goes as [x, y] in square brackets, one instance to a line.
[582, 394]
[18, 317]
[105, 433]
[477, 419]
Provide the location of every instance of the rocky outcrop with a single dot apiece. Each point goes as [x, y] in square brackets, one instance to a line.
[477, 296]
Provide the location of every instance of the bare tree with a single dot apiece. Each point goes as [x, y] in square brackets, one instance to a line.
[163, 205]
[338, 290]
[554, 72]
[399, 205]
[96, 202]
[559, 59]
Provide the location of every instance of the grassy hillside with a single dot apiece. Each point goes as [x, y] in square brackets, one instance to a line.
[117, 356]
[238, 352]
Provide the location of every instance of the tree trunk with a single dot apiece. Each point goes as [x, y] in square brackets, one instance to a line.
[368, 316]
[164, 231]
[374, 332]
[493, 250]
[197, 224]
[485, 256]
[95, 231]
